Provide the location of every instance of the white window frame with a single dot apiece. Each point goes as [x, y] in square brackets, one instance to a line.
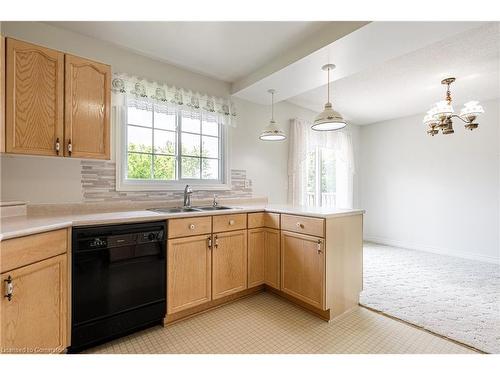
[124, 184]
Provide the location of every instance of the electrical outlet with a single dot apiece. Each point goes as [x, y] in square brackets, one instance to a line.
[247, 183]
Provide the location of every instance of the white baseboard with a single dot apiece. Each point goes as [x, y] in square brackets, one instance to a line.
[430, 249]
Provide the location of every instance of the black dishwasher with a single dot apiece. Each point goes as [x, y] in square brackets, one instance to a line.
[118, 281]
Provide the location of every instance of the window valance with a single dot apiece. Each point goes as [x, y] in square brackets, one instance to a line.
[143, 93]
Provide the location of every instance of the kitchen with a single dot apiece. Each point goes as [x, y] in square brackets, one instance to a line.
[196, 198]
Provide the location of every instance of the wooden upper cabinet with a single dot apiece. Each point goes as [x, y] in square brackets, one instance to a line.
[2, 93]
[34, 99]
[303, 268]
[88, 97]
[35, 318]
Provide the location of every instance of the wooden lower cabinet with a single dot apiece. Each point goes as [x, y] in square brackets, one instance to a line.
[189, 274]
[256, 250]
[264, 257]
[229, 263]
[303, 268]
[35, 319]
[272, 259]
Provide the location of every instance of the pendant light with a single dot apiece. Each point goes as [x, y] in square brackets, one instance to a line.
[329, 119]
[271, 131]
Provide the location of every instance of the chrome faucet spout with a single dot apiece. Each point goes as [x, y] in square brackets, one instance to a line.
[187, 196]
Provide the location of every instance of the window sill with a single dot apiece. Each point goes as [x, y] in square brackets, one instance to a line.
[162, 186]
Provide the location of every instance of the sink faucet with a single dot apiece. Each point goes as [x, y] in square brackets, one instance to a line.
[214, 202]
[187, 196]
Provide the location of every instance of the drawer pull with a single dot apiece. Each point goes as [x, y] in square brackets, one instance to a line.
[300, 225]
[10, 288]
[192, 226]
[231, 222]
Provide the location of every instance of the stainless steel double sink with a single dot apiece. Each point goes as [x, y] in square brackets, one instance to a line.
[174, 210]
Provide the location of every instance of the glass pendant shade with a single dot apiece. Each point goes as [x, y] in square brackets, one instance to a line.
[272, 133]
[328, 120]
[470, 109]
[443, 108]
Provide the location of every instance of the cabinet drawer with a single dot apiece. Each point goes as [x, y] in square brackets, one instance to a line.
[224, 223]
[19, 252]
[189, 226]
[264, 219]
[303, 224]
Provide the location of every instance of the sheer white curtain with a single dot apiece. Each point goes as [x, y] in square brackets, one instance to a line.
[303, 140]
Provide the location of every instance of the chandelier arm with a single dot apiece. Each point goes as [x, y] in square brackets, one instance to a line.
[457, 116]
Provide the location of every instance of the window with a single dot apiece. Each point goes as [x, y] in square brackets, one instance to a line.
[167, 149]
[321, 177]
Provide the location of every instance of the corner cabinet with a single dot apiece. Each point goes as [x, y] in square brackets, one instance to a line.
[87, 100]
[56, 104]
[34, 99]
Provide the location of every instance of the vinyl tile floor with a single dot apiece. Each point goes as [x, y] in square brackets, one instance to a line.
[267, 324]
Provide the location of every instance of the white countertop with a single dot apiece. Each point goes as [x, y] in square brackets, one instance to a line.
[17, 226]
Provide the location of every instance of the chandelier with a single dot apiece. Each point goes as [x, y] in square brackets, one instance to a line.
[440, 116]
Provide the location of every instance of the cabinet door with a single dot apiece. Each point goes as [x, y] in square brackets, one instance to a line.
[303, 268]
[256, 249]
[35, 319]
[2, 93]
[34, 99]
[229, 263]
[189, 265]
[272, 257]
[87, 95]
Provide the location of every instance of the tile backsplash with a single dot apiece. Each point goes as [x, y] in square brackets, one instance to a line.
[99, 185]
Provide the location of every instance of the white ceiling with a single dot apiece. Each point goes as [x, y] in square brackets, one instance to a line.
[410, 83]
[384, 70]
[224, 50]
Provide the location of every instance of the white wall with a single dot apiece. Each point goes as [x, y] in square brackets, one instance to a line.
[57, 180]
[439, 193]
[266, 162]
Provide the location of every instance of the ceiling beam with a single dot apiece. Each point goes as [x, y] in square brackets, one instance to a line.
[331, 32]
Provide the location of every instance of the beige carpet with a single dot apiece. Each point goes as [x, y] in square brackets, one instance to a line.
[454, 297]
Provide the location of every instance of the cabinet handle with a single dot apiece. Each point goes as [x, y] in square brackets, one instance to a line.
[319, 247]
[209, 242]
[216, 242]
[58, 146]
[70, 147]
[191, 226]
[300, 225]
[231, 222]
[10, 288]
